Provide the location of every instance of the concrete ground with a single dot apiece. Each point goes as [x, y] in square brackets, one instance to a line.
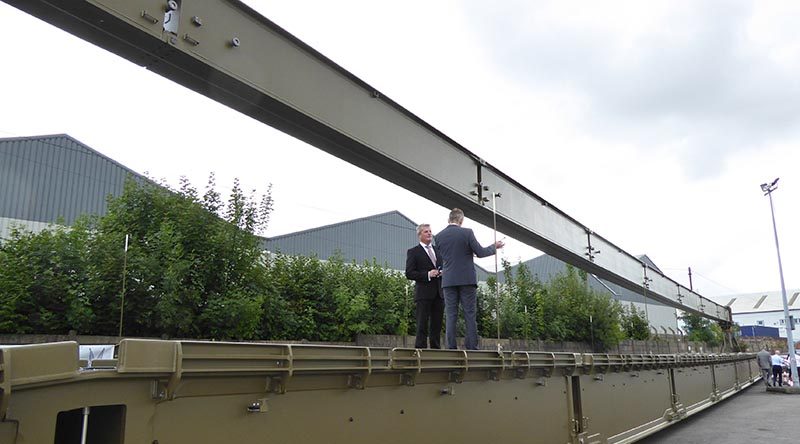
[752, 416]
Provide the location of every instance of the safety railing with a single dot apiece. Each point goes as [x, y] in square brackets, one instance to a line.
[600, 397]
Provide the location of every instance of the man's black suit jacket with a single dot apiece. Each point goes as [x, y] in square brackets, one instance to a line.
[418, 264]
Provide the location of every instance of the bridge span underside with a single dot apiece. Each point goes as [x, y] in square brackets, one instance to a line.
[230, 53]
[211, 392]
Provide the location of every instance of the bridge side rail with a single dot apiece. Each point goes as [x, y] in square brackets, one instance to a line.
[170, 391]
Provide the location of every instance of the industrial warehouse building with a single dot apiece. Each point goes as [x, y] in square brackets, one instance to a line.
[55, 178]
[757, 313]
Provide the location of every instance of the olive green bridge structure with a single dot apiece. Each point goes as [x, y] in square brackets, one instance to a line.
[213, 392]
[197, 392]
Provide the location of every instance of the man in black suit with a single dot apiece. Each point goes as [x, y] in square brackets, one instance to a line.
[423, 266]
[458, 246]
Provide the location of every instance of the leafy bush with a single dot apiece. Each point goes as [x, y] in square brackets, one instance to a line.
[702, 330]
[194, 268]
[565, 309]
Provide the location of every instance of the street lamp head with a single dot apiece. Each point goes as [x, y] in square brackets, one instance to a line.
[769, 187]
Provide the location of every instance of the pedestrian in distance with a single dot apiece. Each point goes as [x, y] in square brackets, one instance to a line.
[765, 364]
[777, 369]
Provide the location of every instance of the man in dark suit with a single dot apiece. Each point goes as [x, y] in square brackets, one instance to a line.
[423, 266]
[457, 246]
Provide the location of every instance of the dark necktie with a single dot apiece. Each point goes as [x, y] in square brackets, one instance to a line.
[430, 254]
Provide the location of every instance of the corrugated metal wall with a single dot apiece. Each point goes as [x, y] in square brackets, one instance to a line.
[44, 179]
[384, 237]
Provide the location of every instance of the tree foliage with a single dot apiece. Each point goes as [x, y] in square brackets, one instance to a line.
[42, 281]
[634, 323]
[194, 268]
[564, 309]
[702, 330]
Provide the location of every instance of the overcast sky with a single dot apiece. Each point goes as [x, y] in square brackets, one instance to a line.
[652, 123]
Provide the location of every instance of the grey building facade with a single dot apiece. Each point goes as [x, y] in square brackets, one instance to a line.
[765, 309]
[54, 178]
[383, 237]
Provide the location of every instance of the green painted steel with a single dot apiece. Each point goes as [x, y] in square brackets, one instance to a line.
[197, 392]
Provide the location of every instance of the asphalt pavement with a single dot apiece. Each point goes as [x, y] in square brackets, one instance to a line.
[752, 416]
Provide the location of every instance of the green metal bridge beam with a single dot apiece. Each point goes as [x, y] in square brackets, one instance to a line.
[230, 53]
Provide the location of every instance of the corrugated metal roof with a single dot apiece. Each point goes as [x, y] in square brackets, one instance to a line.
[383, 237]
[758, 302]
[644, 258]
[55, 177]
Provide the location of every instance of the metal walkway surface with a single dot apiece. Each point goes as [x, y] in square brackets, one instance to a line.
[752, 416]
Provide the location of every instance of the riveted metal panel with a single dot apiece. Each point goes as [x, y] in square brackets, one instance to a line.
[538, 217]
[511, 410]
[725, 377]
[612, 257]
[747, 371]
[694, 386]
[35, 410]
[643, 396]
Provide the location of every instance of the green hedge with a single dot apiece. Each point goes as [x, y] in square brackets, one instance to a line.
[194, 268]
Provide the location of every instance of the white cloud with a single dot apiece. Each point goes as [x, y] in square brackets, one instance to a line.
[661, 75]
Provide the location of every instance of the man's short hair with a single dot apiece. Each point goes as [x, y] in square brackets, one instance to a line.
[421, 227]
[456, 216]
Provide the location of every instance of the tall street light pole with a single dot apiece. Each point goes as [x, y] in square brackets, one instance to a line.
[768, 189]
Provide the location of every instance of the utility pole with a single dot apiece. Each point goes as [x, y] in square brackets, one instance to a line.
[124, 275]
[768, 189]
[496, 269]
